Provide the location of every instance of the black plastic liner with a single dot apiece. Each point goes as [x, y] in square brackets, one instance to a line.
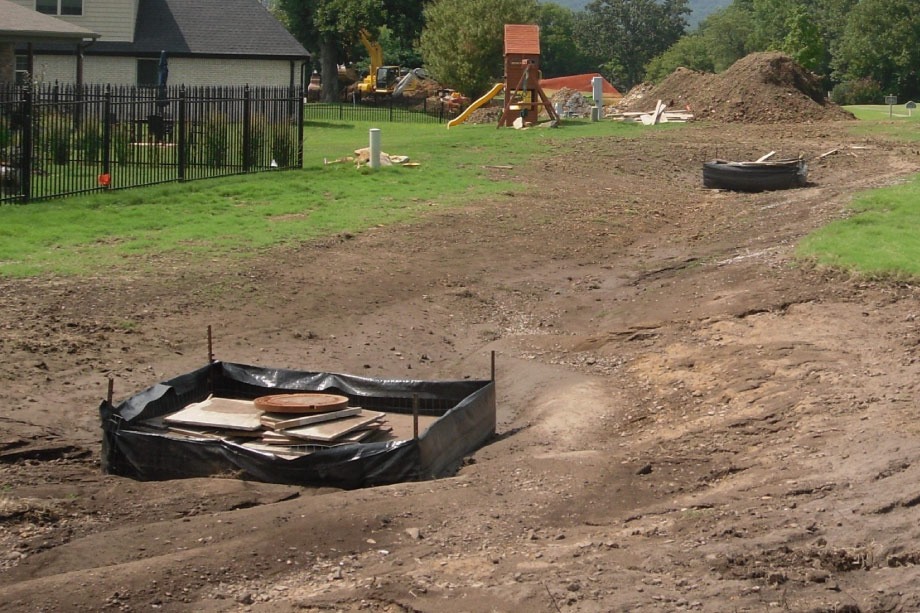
[466, 411]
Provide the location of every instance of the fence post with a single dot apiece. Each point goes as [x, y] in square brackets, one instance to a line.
[247, 130]
[107, 132]
[391, 108]
[300, 111]
[182, 161]
[25, 162]
[340, 111]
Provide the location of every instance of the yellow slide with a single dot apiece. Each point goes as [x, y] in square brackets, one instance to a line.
[465, 114]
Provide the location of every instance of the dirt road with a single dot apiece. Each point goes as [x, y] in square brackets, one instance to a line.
[688, 419]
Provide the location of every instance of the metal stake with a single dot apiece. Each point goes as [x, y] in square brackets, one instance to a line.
[111, 394]
[210, 346]
[493, 365]
[415, 416]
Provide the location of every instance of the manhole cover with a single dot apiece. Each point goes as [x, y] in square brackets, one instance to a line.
[301, 403]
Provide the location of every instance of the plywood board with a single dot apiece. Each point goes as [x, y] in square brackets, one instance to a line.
[306, 420]
[332, 430]
[219, 413]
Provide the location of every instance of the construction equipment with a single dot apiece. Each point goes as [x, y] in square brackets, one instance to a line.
[381, 80]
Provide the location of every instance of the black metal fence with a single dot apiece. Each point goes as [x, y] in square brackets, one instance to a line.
[58, 141]
[388, 109]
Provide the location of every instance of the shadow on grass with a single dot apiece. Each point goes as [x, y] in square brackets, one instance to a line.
[326, 124]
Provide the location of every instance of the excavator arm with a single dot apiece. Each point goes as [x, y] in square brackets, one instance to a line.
[374, 51]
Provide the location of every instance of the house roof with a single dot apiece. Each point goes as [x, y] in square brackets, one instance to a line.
[21, 25]
[214, 28]
[524, 39]
[579, 82]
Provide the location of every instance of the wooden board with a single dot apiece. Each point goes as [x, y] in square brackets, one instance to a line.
[278, 422]
[332, 430]
[220, 414]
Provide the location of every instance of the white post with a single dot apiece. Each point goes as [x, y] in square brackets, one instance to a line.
[375, 148]
[597, 90]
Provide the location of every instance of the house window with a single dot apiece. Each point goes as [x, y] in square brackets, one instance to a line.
[59, 7]
[22, 69]
[148, 71]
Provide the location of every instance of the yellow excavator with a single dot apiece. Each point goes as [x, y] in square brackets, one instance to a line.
[382, 80]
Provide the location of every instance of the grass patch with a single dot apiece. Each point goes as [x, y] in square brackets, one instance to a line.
[875, 122]
[880, 240]
[243, 215]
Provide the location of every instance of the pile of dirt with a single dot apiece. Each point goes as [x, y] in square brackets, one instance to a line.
[759, 88]
[485, 115]
[574, 103]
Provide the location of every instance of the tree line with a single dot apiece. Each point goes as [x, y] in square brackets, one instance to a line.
[862, 49]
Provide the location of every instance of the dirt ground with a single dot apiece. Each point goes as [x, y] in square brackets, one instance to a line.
[688, 419]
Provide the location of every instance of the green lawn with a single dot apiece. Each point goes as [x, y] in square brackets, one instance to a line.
[881, 238]
[244, 215]
[875, 121]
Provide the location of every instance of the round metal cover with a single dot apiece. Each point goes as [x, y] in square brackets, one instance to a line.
[301, 403]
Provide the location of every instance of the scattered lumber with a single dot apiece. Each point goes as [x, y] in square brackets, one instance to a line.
[285, 435]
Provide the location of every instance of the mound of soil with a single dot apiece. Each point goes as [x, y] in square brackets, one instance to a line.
[759, 88]
[574, 103]
[485, 115]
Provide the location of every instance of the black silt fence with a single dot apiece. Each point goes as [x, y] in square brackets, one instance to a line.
[58, 141]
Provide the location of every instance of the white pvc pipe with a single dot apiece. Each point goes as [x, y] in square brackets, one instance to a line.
[375, 148]
[597, 89]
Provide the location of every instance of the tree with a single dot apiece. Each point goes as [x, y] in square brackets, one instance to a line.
[728, 35]
[332, 27]
[691, 51]
[882, 41]
[463, 41]
[628, 33]
[803, 40]
[559, 53]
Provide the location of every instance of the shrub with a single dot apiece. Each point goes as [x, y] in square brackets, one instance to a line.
[122, 151]
[89, 140]
[282, 145]
[257, 140]
[59, 143]
[215, 141]
[862, 91]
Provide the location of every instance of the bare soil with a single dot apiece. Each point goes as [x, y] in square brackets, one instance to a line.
[688, 418]
[767, 87]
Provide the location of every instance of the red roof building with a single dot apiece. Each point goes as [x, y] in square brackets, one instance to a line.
[581, 83]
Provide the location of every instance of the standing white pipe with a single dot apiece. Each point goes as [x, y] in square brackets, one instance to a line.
[375, 148]
[597, 90]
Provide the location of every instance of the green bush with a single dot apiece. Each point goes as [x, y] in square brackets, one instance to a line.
[122, 151]
[89, 140]
[215, 141]
[257, 140]
[282, 145]
[862, 91]
[56, 138]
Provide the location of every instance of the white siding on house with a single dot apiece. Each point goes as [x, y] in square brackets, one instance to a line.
[188, 71]
[51, 68]
[197, 71]
[113, 20]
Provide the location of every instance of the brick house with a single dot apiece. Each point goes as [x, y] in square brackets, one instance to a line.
[207, 42]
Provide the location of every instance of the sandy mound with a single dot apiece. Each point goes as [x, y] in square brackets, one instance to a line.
[760, 88]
